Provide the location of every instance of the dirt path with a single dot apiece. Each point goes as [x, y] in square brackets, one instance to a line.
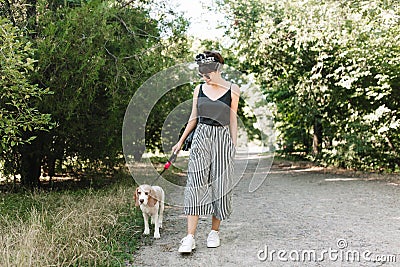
[306, 214]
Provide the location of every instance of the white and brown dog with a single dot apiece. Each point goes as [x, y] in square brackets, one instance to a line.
[151, 202]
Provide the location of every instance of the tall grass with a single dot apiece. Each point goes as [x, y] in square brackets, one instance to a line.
[74, 228]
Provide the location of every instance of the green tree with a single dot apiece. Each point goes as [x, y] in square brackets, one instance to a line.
[330, 68]
[20, 120]
[94, 56]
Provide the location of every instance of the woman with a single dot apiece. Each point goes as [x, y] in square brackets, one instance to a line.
[210, 167]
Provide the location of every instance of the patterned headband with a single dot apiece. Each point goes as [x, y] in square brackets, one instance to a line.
[203, 59]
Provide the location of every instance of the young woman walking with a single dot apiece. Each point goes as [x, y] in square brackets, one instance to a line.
[211, 159]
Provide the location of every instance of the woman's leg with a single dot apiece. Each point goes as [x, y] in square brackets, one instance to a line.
[197, 190]
[213, 237]
[192, 221]
[215, 223]
[188, 243]
[222, 167]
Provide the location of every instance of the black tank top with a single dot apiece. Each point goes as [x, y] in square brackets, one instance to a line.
[216, 112]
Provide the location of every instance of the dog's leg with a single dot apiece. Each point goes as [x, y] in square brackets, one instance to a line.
[160, 217]
[156, 226]
[146, 224]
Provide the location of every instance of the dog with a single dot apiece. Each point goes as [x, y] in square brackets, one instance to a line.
[150, 199]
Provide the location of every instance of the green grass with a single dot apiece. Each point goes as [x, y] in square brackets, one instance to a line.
[83, 227]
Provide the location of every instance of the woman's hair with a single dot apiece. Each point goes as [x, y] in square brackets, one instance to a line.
[209, 61]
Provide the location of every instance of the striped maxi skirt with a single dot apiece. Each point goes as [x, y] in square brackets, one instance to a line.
[209, 184]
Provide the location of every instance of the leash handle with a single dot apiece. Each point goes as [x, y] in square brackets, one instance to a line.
[171, 159]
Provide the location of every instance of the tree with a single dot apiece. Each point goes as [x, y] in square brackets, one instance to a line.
[329, 67]
[20, 120]
[93, 56]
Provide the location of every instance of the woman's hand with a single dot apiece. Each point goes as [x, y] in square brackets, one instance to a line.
[176, 148]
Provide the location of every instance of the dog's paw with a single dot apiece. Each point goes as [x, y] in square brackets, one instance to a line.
[146, 232]
[156, 235]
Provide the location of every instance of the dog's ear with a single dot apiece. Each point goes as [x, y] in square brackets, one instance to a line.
[136, 197]
[151, 202]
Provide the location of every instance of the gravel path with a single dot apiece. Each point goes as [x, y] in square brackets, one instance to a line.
[298, 212]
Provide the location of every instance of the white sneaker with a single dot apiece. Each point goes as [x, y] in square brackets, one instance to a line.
[213, 239]
[187, 244]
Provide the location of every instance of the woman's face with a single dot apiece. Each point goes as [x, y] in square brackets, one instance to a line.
[207, 77]
[208, 71]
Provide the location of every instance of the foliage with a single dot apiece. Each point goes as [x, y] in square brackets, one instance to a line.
[18, 115]
[93, 55]
[331, 68]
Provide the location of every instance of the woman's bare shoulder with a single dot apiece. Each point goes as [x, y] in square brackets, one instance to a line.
[235, 89]
[196, 91]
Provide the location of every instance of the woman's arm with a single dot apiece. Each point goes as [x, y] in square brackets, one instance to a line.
[235, 94]
[191, 123]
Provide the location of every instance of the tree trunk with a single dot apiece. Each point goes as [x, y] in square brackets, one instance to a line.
[317, 137]
[30, 170]
[31, 153]
[31, 164]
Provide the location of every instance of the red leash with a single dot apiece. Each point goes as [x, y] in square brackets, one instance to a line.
[171, 159]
